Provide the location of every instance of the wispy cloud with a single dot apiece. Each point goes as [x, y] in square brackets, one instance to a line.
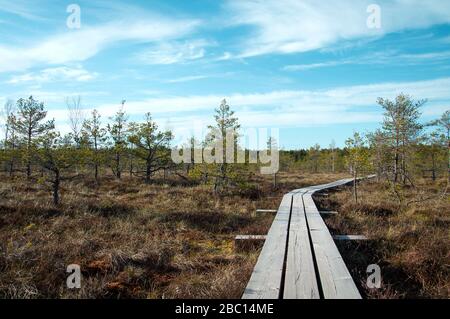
[77, 74]
[303, 67]
[378, 58]
[82, 44]
[288, 26]
[22, 10]
[285, 107]
[174, 52]
[188, 78]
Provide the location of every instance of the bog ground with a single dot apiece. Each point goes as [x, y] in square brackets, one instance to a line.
[168, 240]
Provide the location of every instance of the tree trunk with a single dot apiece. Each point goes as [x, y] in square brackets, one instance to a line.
[28, 169]
[148, 173]
[433, 161]
[28, 154]
[332, 164]
[96, 171]
[355, 187]
[56, 184]
[118, 173]
[11, 168]
[396, 167]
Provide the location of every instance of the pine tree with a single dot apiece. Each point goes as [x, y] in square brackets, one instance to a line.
[29, 126]
[150, 145]
[358, 159]
[225, 122]
[55, 154]
[443, 125]
[118, 133]
[94, 136]
[401, 128]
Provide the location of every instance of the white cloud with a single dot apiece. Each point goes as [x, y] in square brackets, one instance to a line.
[341, 105]
[82, 44]
[294, 108]
[174, 52]
[78, 74]
[19, 9]
[378, 58]
[188, 78]
[288, 26]
[303, 67]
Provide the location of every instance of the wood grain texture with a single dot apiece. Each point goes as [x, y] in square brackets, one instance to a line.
[265, 282]
[300, 277]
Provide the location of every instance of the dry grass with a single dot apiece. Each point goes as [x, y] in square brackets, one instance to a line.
[410, 243]
[132, 240]
[169, 240]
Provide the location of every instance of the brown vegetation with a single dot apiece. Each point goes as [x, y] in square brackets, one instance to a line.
[411, 243]
[132, 240]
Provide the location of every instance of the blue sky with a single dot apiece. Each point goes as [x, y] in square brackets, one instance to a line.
[311, 69]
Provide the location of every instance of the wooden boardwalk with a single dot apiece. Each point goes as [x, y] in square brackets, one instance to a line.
[299, 259]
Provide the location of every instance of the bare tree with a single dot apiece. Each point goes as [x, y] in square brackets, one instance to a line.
[76, 117]
[9, 108]
[272, 144]
[333, 155]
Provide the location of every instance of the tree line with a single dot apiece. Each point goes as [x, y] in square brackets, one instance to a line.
[397, 152]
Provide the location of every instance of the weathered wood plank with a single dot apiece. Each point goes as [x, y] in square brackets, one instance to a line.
[265, 282]
[335, 278]
[300, 277]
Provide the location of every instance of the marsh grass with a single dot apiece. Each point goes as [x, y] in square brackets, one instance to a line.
[132, 240]
[411, 243]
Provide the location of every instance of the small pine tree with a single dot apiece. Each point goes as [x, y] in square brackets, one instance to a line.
[118, 133]
[29, 126]
[93, 136]
[225, 122]
[358, 159]
[150, 145]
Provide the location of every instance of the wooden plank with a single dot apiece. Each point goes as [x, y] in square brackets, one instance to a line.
[265, 282]
[350, 237]
[300, 277]
[335, 278]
